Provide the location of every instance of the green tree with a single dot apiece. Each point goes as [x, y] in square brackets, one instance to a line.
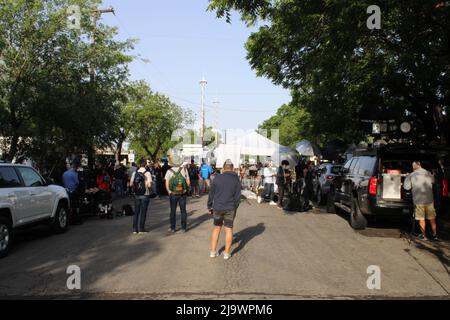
[135, 94]
[49, 107]
[293, 123]
[341, 72]
[156, 119]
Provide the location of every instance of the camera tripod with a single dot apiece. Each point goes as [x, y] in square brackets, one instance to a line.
[411, 235]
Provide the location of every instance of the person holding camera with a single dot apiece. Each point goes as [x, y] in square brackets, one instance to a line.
[420, 182]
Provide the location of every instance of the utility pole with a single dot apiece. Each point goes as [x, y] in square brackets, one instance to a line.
[203, 84]
[96, 14]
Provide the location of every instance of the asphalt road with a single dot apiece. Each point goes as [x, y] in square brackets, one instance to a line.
[275, 256]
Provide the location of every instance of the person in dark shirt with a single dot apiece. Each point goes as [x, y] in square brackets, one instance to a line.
[194, 176]
[309, 186]
[159, 180]
[119, 176]
[299, 177]
[223, 202]
[283, 181]
[164, 170]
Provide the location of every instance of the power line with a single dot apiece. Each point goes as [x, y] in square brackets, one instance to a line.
[235, 109]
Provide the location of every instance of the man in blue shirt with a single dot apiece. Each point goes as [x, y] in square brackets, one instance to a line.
[205, 173]
[70, 178]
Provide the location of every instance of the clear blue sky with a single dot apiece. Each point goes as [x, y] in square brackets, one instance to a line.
[183, 41]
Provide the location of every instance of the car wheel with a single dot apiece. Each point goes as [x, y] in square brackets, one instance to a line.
[357, 220]
[61, 220]
[331, 208]
[5, 237]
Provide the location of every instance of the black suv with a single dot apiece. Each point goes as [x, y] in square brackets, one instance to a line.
[371, 183]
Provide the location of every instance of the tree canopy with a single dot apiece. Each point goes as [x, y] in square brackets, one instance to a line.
[47, 99]
[66, 91]
[154, 121]
[341, 73]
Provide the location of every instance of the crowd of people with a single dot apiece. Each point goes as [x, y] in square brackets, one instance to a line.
[115, 177]
[274, 184]
[180, 180]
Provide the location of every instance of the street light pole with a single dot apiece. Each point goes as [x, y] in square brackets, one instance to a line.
[216, 103]
[203, 84]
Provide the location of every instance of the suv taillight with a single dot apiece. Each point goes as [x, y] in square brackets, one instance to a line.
[373, 184]
[445, 188]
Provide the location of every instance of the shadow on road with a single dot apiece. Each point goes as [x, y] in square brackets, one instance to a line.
[440, 250]
[198, 221]
[39, 259]
[381, 227]
[393, 227]
[245, 236]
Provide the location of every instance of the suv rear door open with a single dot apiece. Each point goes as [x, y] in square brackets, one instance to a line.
[393, 170]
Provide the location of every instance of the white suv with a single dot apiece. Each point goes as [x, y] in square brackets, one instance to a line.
[27, 199]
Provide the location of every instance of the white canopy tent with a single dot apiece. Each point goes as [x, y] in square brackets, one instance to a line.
[254, 144]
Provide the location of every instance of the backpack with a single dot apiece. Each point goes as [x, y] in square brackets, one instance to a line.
[127, 210]
[177, 184]
[193, 173]
[139, 187]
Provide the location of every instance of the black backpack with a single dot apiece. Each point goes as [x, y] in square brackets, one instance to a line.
[139, 188]
[294, 204]
[193, 173]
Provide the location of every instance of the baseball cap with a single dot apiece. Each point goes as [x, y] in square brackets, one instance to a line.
[228, 162]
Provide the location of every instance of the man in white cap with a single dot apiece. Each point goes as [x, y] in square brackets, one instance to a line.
[223, 202]
[177, 186]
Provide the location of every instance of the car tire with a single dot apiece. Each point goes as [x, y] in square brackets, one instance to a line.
[5, 236]
[60, 222]
[331, 208]
[357, 219]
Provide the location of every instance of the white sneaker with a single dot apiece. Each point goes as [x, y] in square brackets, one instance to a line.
[260, 199]
[213, 254]
[226, 256]
[272, 203]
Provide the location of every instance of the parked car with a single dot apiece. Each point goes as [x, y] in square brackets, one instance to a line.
[371, 183]
[325, 175]
[26, 199]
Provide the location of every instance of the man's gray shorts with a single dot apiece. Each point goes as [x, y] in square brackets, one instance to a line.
[224, 218]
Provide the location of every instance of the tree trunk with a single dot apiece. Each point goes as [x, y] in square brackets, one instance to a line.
[440, 124]
[91, 157]
[118, 151]
[153, 155]
[13, 148]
